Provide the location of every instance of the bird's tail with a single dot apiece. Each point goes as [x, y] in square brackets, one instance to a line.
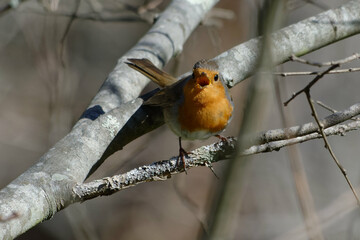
[148, 69]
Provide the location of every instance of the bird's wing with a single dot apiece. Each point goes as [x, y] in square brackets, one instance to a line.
[148, 69]
[167, 96]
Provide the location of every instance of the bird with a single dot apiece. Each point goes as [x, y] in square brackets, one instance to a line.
[195, 107]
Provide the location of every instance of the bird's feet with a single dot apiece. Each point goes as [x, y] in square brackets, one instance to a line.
[181, 158]
[222, 138]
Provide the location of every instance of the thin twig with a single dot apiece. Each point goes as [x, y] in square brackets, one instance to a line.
[288, 74]
[331, 215]
[149, 6]
[318, 4]
[332, 109]
[191, 205]
[304, 195]
[326, 107]
[307, 128]
[327, 145]
[276, 145]
[317, 78]
[292, 5]
[66, 32]
[90, 16]
[320, 64]
[306, 90]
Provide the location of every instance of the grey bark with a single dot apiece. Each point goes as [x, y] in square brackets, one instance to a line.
[46, 187]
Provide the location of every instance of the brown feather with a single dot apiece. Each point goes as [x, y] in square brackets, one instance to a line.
[148, 69]
[167, 96]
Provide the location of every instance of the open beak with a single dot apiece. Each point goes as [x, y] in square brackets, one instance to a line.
[203, 80]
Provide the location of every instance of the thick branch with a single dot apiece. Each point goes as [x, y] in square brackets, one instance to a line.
[298, 39]
[45, 188]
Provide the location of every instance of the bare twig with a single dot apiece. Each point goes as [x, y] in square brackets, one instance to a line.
[331, 215]
[277, 145]
[317, 78]
[216, 16]
[323, 64]
[294, 4]
[333, 110]
[304, 196]
[326, 107]
[192, 206]
[306, 90]
[149, 6]
[327, 145]
[66, 32]
[307, 128]
[288, 74]
[91, 16]
[318, 4]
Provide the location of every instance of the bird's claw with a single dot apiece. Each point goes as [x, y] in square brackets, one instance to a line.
[181, 157]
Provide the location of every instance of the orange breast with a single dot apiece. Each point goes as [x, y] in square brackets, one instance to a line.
[205, 108]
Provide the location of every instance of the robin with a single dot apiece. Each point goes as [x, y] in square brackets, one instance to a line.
[194, 107]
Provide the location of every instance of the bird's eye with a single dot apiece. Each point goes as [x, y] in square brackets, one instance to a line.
[216, 77]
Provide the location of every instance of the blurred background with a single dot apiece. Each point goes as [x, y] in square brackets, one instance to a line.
[56, 54]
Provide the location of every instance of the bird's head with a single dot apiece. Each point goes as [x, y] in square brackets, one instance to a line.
[205, 74]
